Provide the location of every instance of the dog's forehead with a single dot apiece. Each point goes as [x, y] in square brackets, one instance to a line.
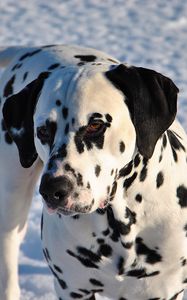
[80, 91]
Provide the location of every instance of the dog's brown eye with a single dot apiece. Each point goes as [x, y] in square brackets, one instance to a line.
[95, 128]
[43, 133]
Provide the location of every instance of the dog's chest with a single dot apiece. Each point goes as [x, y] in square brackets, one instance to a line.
[93, 247]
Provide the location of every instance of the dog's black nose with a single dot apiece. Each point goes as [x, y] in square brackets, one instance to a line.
[55, 190]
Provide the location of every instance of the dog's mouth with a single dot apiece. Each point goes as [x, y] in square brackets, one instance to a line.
[73, 208]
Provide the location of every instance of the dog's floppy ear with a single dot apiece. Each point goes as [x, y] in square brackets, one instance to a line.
[152, 101]
[18, 113]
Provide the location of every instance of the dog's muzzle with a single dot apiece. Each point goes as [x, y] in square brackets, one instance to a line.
[55, 190]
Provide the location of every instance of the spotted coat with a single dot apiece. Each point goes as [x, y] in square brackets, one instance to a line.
[111, 158]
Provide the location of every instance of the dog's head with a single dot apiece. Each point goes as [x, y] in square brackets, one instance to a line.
[85, 125]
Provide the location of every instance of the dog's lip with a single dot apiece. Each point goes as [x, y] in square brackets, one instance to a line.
[66, 212]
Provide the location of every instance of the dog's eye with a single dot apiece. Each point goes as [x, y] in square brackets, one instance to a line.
[95, 128]
[43, 133]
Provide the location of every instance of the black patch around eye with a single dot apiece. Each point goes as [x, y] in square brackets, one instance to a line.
[81, 139]
[86, 58]
[50, 129]
[96, 115]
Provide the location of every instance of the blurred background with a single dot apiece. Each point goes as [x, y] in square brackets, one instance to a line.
[145, 33]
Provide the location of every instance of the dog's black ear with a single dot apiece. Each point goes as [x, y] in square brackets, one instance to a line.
[152, 101]
[18, 113]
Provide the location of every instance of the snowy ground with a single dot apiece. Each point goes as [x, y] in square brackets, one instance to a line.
[146, 33]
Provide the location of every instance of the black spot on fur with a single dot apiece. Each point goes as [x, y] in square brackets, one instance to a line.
[124, 228]
[108, 118]
[58, 102]
[127, 245]
[141, 273]
[182, 195]
[159, 179]
[127, 183]
[66, 130]
[61, 282]
[25, 76]
[183, 262]
[96, 282]
[121, 146]
[138, 198]
[152, 256]
[106, 232]
[53, 66]
[86, 58]
[125, 171]
[137, 160]
[176, 295]
[100, 241]
[79, 180]
[29, 54]
[105, 250]
[97, 170]
[88, 254]
[143, 173]
[75, 295]
[120, 265]
[46, 254]
[8, 90]
[113, 191]
[57, 269]
[185, 229]
[113, 225]
[175, 143]
[164, 141]
[85, 261]
[65, 112]
[17, 66]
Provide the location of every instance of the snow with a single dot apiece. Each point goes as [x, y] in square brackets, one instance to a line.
[146, 33]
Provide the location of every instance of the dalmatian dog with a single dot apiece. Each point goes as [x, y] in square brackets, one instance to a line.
[102, 137]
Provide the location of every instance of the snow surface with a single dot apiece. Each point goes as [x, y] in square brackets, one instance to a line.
[141, 32]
